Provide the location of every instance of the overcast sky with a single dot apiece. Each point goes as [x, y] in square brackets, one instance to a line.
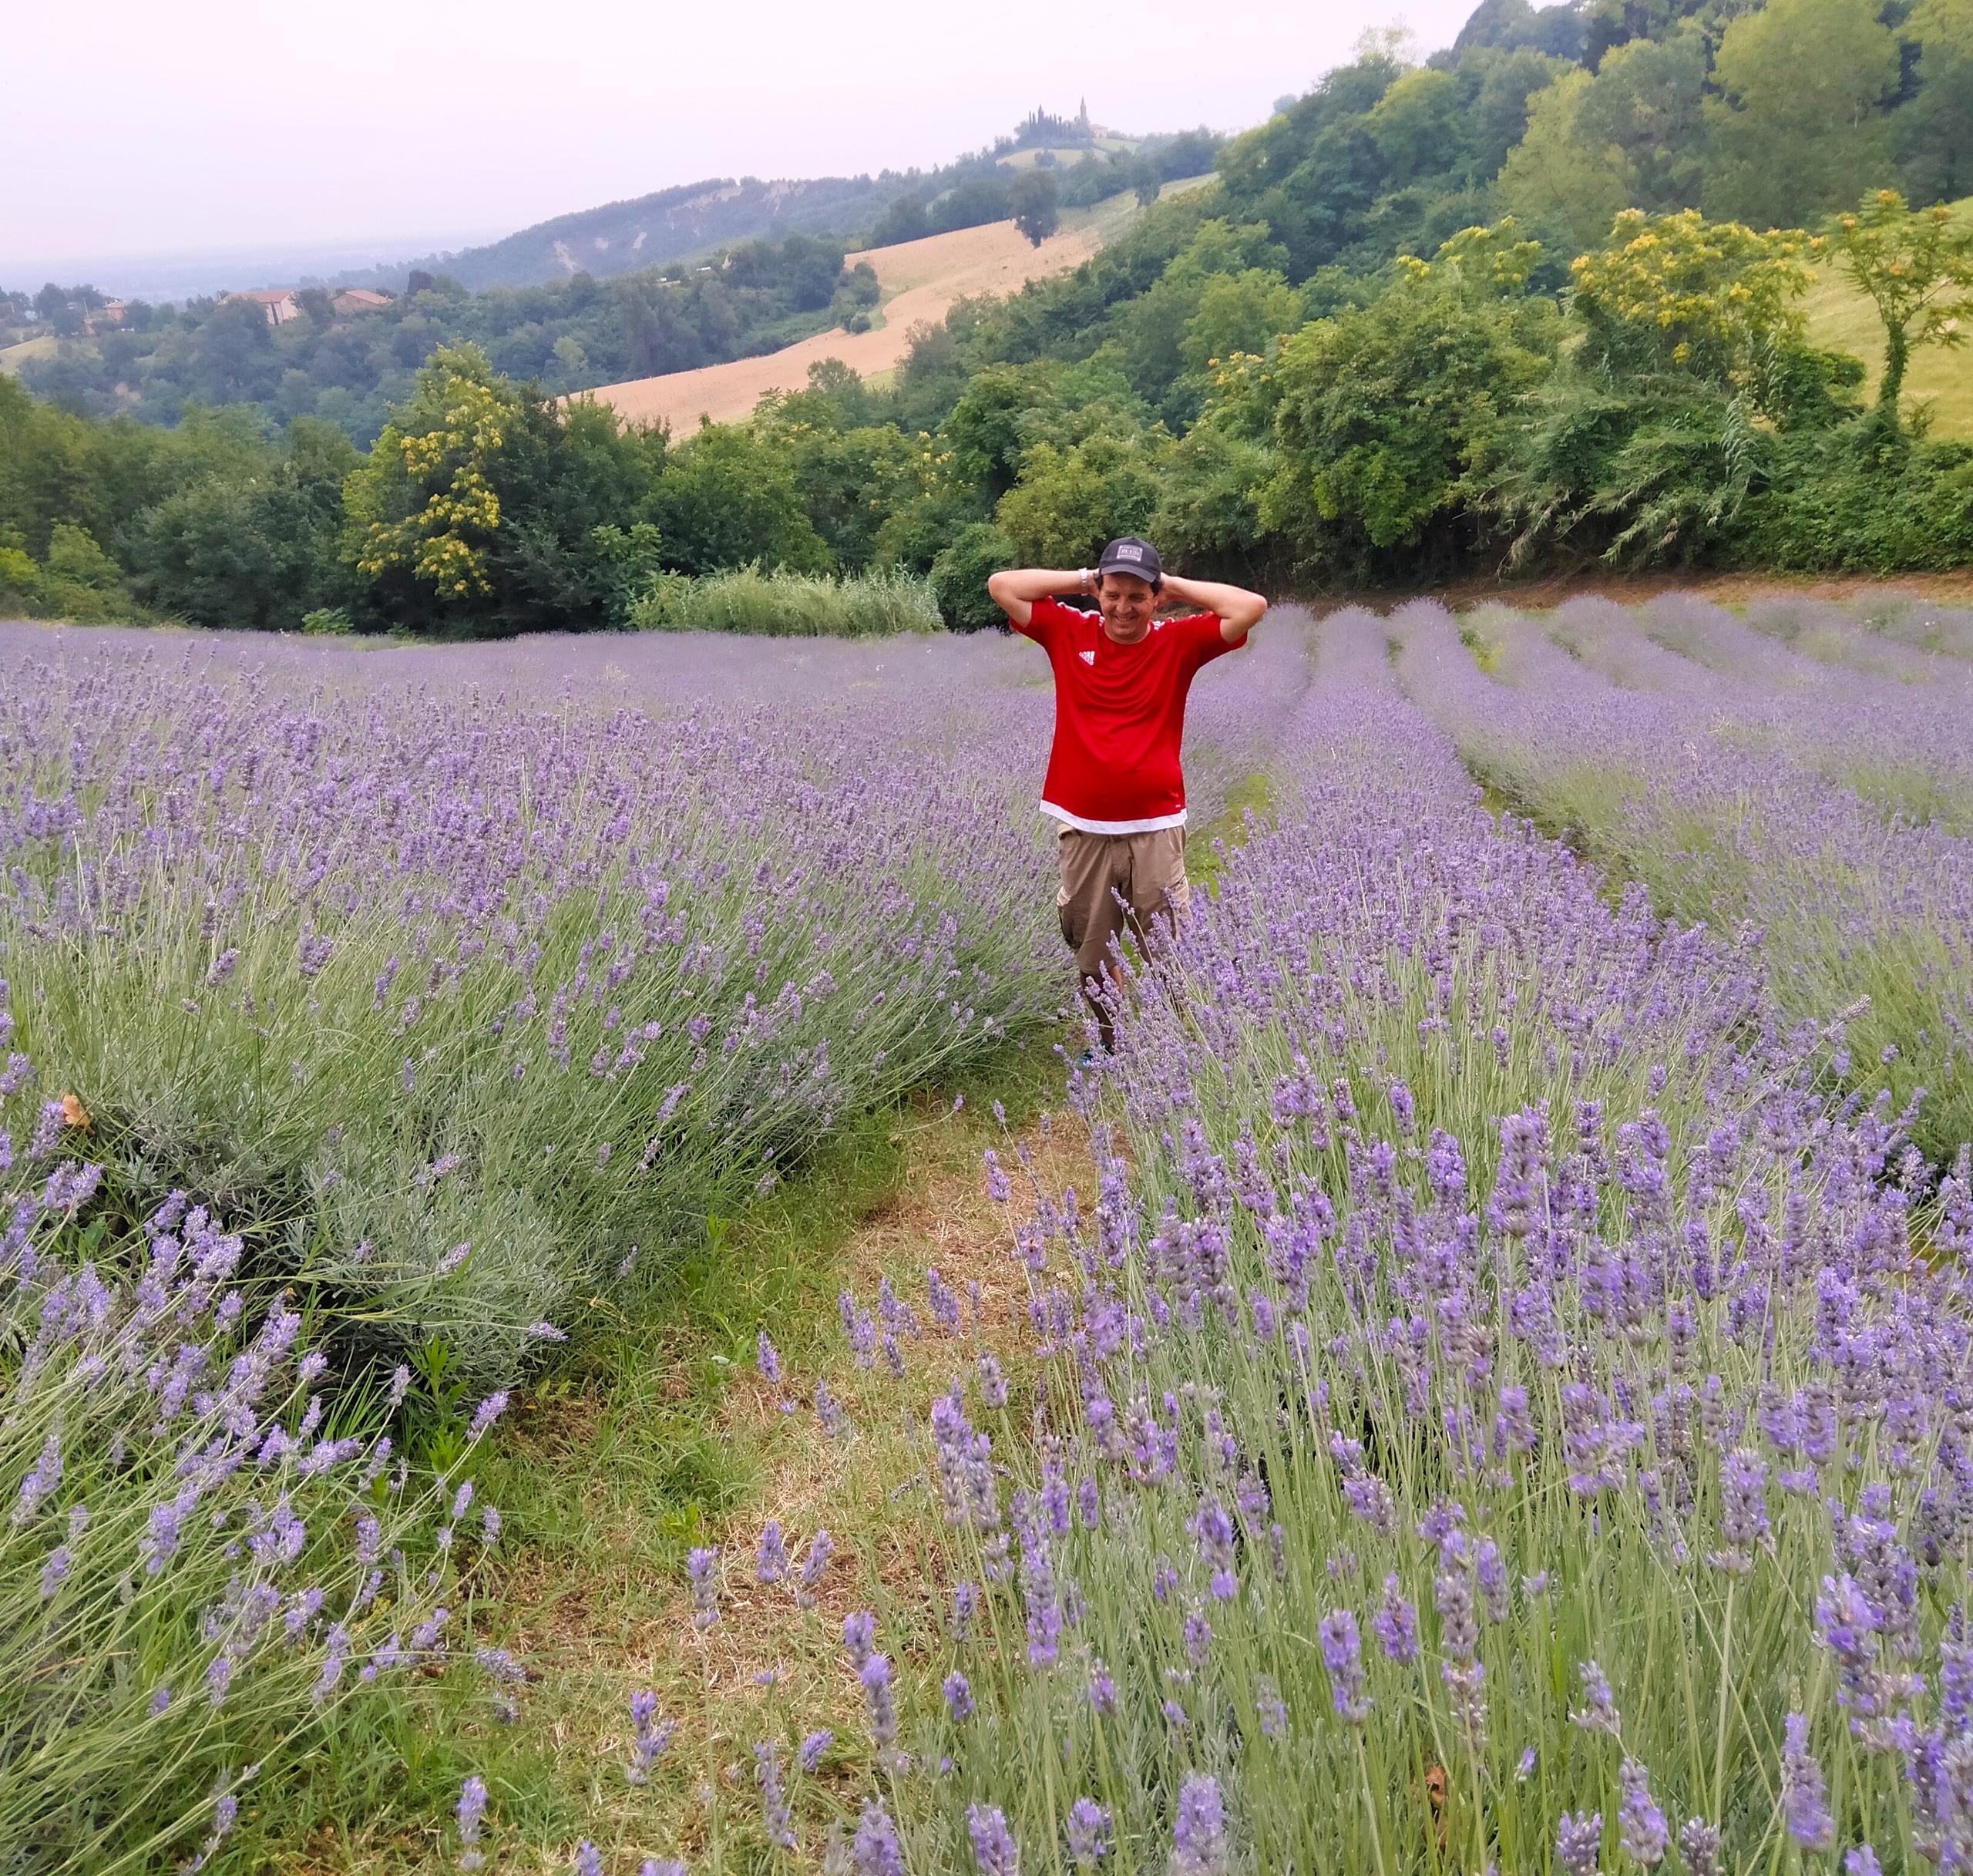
[136, 128]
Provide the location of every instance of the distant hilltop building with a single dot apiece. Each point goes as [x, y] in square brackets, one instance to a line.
[354, 299]
[277, 304]
[1043, 129]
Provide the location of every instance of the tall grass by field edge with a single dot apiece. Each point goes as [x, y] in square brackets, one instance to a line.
[878, 603]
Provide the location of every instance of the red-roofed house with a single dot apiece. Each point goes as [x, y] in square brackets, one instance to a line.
[278, 303]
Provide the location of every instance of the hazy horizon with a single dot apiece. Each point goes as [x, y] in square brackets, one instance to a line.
[220, 129]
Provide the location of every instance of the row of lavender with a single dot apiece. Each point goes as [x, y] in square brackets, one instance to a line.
[1492, 1413]
[1828, 804]
[410, 992]
[447, 999]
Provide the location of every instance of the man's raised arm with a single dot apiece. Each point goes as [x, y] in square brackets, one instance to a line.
[1239, 610]
[1016, 590]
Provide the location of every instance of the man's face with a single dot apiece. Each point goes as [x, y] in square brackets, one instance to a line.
[1127, 602]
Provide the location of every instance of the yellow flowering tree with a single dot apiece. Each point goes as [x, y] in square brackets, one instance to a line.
[424, 503]
[1714, 299]
[1917, 269]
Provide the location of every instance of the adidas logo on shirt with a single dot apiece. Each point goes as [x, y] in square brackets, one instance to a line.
[1088, 657]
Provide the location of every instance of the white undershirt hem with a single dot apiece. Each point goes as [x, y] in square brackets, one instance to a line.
[1084, 824]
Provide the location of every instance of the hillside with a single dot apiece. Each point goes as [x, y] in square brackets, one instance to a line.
[695, 218]
[919, 282]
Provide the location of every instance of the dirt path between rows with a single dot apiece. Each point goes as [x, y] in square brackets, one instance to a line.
[771, 1668]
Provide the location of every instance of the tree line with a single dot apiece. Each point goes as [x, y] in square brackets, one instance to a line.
[348, 371]
[1374, 349]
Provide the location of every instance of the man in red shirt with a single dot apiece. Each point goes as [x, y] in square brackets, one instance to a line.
[1113, 777]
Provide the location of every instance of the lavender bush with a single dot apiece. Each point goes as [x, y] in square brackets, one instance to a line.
[446, 1003]
[205, 1556]
[1743, 801]
[1493, 1412]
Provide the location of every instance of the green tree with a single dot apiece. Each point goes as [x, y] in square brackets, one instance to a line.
[1419, 127]
[1069, 502]
[1034, 203]
[1917, 269]
[1247, 311]
[959, 574]
[1647, 101]
[1934, 131]
[1799, 116]
[425, 502]
[728, 497]
[1562, 180]
[1388, 416]
[74, 556]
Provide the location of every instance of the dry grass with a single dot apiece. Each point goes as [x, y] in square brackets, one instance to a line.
[919, 281]
[614, 1616]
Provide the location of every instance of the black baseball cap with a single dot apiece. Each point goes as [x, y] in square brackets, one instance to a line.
[1130, 554]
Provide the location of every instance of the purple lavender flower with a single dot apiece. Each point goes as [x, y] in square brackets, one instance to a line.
[1579, 1842]
[470, 1808]
[42, 1477]
[1396, 1624]
[1199, 1833]
[1343, 1655]
[1641, 1825]
[877, 1850]
[812, 1747]
[1699, 1844]
[1212, 1529]
[1743, 1519]
[1804, 1796]
[994, 1847]
[55, 1572]
[1599, 1711]
[771, 1558]
[487, 1411]
[649, 1736]
[777, 1819]
[589, 1860]
[829, 1411]
[702, 1568]
[875, 1676]
[959, 1696]
[814, 1567]
[1087, 1830]
[1272, 1708]
[859, 1637]
[769, 1358]
[1861, 1861]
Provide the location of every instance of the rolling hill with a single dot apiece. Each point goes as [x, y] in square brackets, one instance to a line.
[695, 218]
[919, 282]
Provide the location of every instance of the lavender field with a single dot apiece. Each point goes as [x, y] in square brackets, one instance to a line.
[1494, 1393]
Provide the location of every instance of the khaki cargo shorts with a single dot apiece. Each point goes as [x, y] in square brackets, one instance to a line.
[1148, 871]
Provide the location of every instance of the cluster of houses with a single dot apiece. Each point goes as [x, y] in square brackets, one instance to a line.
[280, 304]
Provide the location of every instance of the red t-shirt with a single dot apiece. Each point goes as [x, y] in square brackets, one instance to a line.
[1119, 717]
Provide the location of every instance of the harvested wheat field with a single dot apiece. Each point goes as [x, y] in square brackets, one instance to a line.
[921, 281]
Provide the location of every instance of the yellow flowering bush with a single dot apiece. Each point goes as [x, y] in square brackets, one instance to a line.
[425, 502]
[1711, 297]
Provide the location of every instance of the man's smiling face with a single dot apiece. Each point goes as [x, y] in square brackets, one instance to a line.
[1127, 602]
